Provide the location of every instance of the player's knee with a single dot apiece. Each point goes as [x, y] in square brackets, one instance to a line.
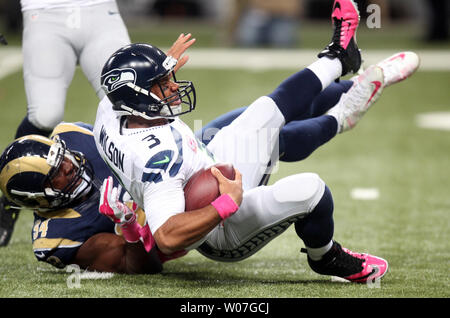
[45, 119]
[307, 188]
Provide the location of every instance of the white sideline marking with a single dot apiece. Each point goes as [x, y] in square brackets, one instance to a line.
[255, 59]
[95, 275]
[365, 193]
[260, 59]
[434, 120]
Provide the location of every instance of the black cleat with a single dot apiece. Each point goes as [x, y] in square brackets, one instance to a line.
[343, 45]
[8, 217]
[355, 267]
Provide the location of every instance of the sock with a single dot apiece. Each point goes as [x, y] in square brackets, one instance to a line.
[327, 70]
[317, 228]
[316, 253]
[329, 97]
[294, 95]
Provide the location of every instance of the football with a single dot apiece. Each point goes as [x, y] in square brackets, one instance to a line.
[203, 188]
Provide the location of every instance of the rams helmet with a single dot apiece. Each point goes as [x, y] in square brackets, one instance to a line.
[130, 73]
[27, 167]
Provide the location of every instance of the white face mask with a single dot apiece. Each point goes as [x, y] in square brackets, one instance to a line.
[83, 188]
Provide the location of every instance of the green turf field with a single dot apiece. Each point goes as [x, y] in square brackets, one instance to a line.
[408, 224]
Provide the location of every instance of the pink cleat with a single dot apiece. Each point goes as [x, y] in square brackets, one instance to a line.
[399, 66]
[343, 45]
[354, 267]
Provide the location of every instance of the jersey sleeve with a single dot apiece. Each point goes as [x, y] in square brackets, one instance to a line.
[163, 200]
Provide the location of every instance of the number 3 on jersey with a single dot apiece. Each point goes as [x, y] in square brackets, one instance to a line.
[153, 141]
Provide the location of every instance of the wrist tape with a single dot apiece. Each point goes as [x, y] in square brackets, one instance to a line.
[130, 230]
[225, 206]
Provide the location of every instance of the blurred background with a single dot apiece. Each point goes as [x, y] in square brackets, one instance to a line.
[268, 23]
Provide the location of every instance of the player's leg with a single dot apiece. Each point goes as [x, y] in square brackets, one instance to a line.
[328, 98]
[48, 68]
[268, 211]
[339, 58]
[110, 35]
[265, 213]
[349, 101]
[255, 132]
[310, 133]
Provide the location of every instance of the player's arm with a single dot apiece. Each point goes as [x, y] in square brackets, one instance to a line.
[108, 252]
[184, 229]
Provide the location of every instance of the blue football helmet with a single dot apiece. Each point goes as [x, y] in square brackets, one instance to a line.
[27, 168]
[130, 73]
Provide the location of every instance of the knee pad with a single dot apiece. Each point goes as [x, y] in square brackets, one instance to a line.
[305, 187]
[46, 117]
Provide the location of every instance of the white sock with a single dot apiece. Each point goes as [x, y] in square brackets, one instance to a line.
[316, 253]
[327, 70]
[335, 115]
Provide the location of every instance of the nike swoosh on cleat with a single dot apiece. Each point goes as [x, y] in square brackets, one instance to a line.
[377, 87]
[374, 271]
[401, 56]
[337, 6]
[40, 254]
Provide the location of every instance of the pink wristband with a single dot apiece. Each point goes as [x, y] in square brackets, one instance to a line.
[130, 230]
[225, 206]
[147, 237]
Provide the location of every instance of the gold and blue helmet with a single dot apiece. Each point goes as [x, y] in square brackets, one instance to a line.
[27, 167]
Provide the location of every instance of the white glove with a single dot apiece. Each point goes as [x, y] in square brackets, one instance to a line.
[111, 206]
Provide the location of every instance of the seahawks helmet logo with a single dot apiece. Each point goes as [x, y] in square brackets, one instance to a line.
[117, 78]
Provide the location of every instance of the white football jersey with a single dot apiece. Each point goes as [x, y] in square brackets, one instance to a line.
[153, 164]
[52, 4]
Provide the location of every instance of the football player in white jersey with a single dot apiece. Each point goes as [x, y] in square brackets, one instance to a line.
[153, 153]
[58, 35]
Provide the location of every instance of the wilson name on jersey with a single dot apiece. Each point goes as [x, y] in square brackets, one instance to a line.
[148, 154]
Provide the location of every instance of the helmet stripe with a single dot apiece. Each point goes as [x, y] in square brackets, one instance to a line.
[20, 165]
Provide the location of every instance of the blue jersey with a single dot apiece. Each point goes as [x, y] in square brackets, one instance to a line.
[57, 235]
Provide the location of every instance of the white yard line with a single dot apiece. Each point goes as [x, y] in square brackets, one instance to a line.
[434, 120]
[255, 59]
[365, 193]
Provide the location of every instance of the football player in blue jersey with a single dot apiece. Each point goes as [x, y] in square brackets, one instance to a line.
[59, 179]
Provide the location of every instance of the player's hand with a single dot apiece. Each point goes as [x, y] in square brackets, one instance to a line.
[111, 206]
[178, 48]
[231, 187]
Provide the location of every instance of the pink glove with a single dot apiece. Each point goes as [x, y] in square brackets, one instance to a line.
[118, 212]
